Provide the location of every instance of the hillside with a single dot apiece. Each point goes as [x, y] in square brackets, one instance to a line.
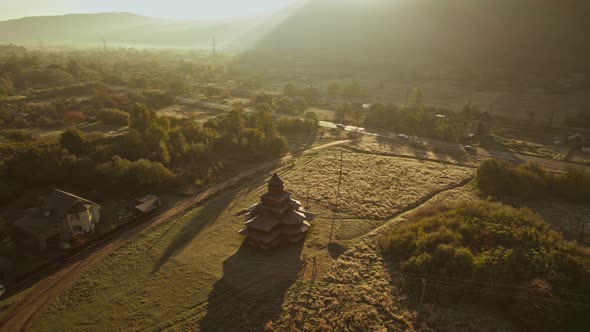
[434, 31]
[126, 29]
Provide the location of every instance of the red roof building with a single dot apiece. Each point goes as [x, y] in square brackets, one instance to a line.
[276, 218]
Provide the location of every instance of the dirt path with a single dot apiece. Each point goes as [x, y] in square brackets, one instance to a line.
[49, 287]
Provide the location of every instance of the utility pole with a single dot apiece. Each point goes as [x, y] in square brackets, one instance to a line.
[583, 226]
[213, 46]
[337, 199]
[422, 294]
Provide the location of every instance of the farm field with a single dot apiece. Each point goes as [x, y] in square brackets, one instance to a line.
[182, 274]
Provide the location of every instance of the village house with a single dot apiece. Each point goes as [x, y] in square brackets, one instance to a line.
[62, 217]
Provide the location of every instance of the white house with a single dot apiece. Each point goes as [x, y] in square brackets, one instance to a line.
[62, 217]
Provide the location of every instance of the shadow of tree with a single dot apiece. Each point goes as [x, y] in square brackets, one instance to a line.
[299, 143]
[252, 289]
[205, 217]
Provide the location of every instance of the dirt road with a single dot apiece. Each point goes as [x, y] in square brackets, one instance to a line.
[49, 287]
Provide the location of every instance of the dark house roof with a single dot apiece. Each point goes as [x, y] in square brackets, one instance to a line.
[39, 224]
[60, 202]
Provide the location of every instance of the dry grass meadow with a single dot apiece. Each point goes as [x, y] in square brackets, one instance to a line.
[359, 293]
[194, 272]
[373, 187]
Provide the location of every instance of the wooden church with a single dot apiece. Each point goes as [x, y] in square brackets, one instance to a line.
[276, 218]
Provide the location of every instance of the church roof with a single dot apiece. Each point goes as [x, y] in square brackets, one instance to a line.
[276, 180]
[263, 222]
[264, 237]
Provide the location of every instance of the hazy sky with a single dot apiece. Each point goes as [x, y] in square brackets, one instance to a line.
[175, 9]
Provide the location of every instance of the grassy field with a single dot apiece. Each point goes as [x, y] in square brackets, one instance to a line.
[358, 293]
[196, 273]
[373, 187]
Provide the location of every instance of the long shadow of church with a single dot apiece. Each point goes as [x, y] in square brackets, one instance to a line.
[252, 289]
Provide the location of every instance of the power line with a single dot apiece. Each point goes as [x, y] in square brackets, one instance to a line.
[489, 291]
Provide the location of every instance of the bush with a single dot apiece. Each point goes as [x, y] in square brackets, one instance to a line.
[17, 135]
[296, 125]
[123, 175]
[488, 243]
[531, 181]
[113, 117]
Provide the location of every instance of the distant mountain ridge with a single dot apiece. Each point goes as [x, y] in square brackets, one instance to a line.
[126, 28]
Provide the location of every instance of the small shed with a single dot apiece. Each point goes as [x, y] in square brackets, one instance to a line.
[147, 204]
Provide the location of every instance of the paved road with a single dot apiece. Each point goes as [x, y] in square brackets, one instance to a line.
[49, 287]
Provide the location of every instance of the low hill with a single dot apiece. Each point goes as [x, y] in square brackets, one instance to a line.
[128, 29]
[437, 31]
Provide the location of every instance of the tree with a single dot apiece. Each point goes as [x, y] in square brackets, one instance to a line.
[300, 105]
[286, 105]
[311, 117]
[74, 141]
[233, 122]
[290, 90]
[142, 117]
[6, 86]
[113, 117]
[264, 121]
[358, 116]
[342, 112]
[163, 153]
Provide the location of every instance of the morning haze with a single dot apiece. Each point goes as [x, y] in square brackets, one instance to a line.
[283, 165]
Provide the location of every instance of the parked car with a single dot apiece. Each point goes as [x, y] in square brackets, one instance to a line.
[340, 126]
[469, 149]
[403, 136]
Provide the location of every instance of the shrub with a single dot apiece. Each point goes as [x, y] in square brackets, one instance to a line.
[531, 181]
[489, 243]
[113, 117]
[296, 125]
[18, 135]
